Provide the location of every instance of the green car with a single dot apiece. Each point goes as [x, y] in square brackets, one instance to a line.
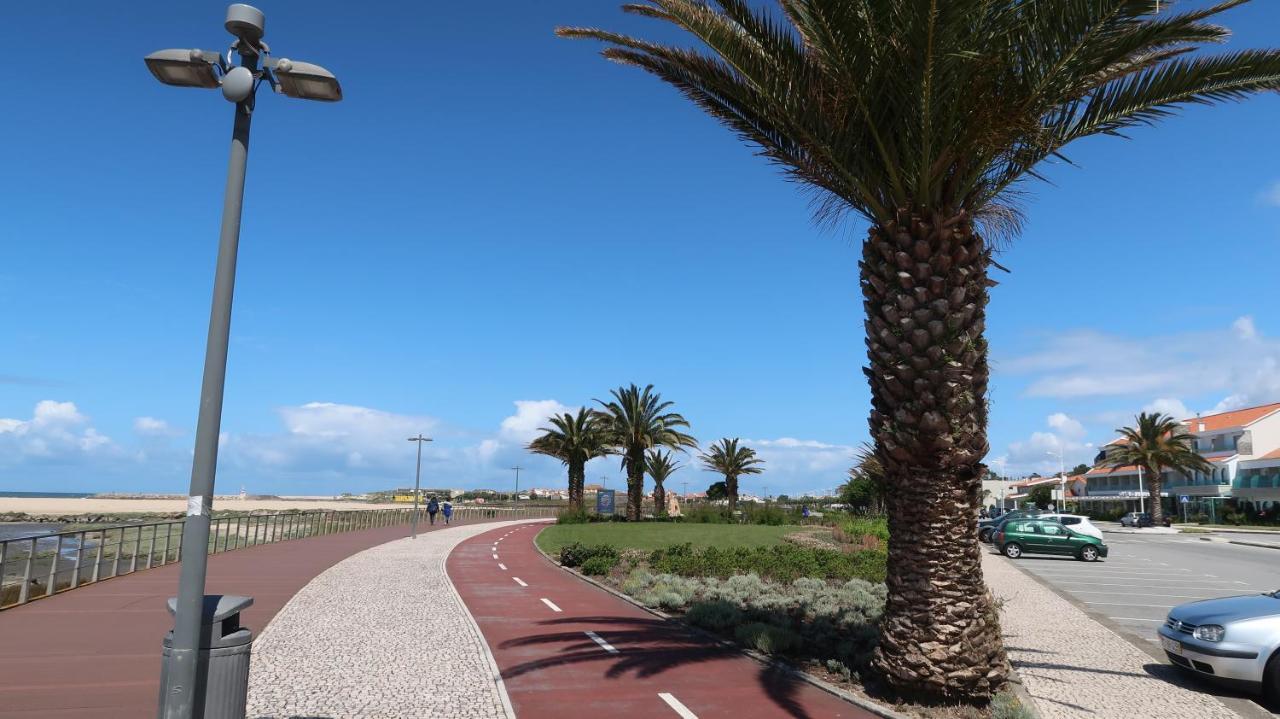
[1042, 536]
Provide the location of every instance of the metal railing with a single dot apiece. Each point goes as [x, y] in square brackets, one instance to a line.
[43, 565]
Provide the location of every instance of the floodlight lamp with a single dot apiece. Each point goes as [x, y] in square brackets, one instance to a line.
[184, 68]
[305, 81]
[245, 22]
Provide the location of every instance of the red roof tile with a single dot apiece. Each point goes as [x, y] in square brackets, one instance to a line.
[1234, 418]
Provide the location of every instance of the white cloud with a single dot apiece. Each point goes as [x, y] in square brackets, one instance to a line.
[530, 415]
[1170, 406]
[1065, 426]
[1088, 363]
[152, 427]
[1039, 452]
[56, 432]
[1271, 195]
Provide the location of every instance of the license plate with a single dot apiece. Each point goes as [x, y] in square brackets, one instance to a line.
[1171, 646]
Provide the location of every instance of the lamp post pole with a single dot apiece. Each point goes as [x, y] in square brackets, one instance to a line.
[516, 497]
[179, 698]
[417, 479]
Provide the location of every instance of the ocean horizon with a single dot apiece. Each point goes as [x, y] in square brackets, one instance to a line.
[47, 495]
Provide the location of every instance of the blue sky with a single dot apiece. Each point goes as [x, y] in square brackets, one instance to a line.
[495, 223]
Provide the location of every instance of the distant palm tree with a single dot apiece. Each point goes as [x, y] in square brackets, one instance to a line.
[1157, 443]
[574, 440]
[636, 421]
[727, 458]
[923, 118]
[865, 489]
[660, 465]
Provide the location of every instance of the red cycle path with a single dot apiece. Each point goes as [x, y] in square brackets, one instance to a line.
[94, 653]
[553, 670]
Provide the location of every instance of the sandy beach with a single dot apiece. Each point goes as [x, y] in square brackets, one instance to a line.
[96, 505]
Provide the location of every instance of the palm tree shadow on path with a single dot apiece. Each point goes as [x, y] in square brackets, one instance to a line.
[647, 648]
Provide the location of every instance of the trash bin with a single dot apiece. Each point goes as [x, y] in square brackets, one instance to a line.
[222, 669]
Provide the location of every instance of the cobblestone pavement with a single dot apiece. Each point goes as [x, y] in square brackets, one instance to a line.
[380, 635]
[1074, 666]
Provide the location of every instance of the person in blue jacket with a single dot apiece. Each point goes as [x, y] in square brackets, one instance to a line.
[447, 510]
[432, 507]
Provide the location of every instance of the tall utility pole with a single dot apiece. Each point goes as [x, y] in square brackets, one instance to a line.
[685, 487]
[516, 496]
[239, 84]
[417, 477]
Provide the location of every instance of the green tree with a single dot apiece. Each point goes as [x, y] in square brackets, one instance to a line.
[923, 118]
[733, 461]
[1157, 442]
[1041, 496]
[1080, 469]
[660, 466]
[717, 491]
[635, 421]
[865, 490]
[574, 440]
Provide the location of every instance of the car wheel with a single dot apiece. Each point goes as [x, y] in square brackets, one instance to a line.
[1271, 681]
[1012, 550]
[984, 535]
[1089, 553]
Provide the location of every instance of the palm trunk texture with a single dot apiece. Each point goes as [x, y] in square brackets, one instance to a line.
[731, 489]
[577, 481]
[1153, 498]
[659, 499]
[924, 283]
[635, 484]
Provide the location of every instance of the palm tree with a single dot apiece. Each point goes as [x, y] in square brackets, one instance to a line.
[727, 458]
[865, 488]
[922, 118]
[660, 465]
[574, 440]
[1157, 443]
[635, 422]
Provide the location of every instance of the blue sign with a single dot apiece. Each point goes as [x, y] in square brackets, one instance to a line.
[604, 501]
[1184, 499]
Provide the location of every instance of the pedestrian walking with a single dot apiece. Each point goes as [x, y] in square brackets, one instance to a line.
[432, 507]
[447, 510]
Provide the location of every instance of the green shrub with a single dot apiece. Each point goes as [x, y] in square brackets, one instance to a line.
[856, 527]
[573, 516]
[1006, 706]
[708, 515]
[837, 667]
[717, 615]
[577, 554]
[637, 582]
[784, 563]
[768, 638]
[599, 565]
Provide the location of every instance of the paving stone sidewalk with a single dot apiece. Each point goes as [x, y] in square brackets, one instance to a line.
[1073, 666]
[380, 635]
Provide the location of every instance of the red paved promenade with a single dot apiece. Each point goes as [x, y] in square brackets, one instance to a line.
[95, 651]
[650, 669]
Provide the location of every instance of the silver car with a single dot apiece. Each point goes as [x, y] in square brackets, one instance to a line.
[1235, 640]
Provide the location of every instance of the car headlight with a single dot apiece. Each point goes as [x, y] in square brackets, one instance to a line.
[1209, 633]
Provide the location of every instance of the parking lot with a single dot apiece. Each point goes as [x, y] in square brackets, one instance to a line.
[1147, 575]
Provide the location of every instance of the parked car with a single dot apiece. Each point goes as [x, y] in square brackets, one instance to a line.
[987, 527]
[1039, 536]
[1235, 640]
[1075, 522]
[1142, 519]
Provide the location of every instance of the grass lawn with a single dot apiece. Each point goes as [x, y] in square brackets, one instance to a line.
[653, 535]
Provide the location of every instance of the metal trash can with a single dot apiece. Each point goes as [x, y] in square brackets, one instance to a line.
[222, 669]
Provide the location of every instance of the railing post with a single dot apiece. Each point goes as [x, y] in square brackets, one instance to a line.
[4, 556]
[177, 554]
[53, 568]
[137, 547]
[115, 559]
[151, 548]
[25, 591]
[75, 572]
[168, 535]
[239, 542]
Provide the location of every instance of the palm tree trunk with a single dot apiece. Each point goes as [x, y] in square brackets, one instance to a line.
[924, 282]
[731, 490]
[576, 476]
[1153, 497]
[635, 483]
[659, 499]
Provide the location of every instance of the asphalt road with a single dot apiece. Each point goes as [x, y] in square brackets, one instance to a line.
[1147, 575]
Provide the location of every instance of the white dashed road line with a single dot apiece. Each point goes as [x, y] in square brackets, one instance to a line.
[495, 556]
[502, 566]
[603, 644]
[551, 604]
[520, 581]
[675, 704]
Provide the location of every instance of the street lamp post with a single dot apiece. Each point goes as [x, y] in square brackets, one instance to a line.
[239, 83]
[1062, 475]
[417, 478]
[516, 497]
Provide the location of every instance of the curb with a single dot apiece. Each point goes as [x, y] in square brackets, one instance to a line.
[1240, 542]
[860, 702]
